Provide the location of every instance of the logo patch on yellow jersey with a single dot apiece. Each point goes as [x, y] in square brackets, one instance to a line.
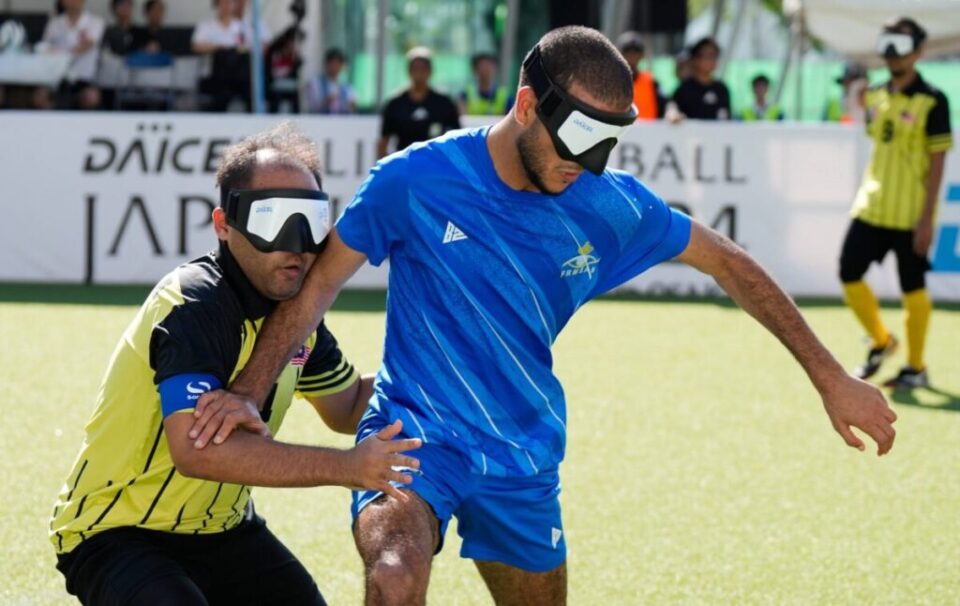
[584, 263]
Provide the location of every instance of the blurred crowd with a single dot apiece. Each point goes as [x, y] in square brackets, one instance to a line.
[135, 62]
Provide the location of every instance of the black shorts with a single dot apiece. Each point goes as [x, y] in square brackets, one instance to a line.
[867, 243]
[245, 565]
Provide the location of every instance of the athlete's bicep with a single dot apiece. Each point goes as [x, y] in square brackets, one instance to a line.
[707, 250]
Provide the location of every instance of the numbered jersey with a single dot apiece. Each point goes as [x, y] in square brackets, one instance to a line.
[906, 127]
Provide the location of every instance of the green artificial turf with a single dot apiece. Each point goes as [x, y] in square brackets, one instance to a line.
[700, 466]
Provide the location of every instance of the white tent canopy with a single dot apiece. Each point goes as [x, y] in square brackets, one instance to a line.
[850, 27]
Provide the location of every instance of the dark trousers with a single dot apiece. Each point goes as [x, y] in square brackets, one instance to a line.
[866, 244]
[245, 565]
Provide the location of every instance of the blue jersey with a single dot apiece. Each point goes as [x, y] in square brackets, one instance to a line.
[482, 280]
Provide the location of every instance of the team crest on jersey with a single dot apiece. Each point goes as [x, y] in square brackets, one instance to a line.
[584, 263]
[301, 358]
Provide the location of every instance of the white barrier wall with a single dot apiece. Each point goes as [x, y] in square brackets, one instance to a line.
[122, 198]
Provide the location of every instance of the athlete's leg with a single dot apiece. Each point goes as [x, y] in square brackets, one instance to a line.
[912, 269]
[509, 585]
[396, 541]
[862, 246]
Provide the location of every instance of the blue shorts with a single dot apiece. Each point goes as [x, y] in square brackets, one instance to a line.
[514, 520]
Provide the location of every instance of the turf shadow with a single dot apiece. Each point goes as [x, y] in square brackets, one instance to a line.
[946, 400]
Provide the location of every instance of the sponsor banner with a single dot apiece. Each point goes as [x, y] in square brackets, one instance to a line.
[123, 198]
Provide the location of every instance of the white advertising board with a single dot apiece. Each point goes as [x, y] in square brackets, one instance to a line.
[123, 198]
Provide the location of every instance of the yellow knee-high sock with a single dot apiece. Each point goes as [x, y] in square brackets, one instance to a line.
[864, 304]
[917, 307]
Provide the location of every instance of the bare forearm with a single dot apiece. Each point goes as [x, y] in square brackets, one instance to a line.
[760, 296]
[247, 458]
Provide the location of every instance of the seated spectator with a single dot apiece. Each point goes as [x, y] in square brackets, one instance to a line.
[646, 92]
[283, 72]
[80, 34]
[147, 37]
[119, 38]
[419, 112]
[226, 75]
[701, 97]
[326, 94]
[483, 97]
[761, 109]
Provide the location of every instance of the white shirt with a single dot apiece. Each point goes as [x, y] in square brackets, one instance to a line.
[231, 35]
[62, 36]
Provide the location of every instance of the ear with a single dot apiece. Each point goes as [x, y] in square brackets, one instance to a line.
[220, 223]
[525, 107]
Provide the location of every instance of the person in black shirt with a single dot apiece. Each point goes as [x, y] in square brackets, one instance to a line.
[419, 112]
[119, 37]
[701, 97]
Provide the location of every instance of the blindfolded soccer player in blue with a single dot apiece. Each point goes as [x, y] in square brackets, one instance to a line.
[496, 236]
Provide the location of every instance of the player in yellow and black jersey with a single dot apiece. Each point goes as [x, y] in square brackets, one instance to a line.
[150, 516]
[909, 122]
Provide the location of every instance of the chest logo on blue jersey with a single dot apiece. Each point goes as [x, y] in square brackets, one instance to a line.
[584, 263]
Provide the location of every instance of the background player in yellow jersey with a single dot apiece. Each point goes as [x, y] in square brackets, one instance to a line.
[148, 516]
[895, 208]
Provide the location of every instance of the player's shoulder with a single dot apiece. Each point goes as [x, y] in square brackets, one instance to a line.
[625, 181]
[924, 87]
[424, 157]
[200, 288]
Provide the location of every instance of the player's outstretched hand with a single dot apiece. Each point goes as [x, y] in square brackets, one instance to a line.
[852, 402]
[376, 461]
[219, 413]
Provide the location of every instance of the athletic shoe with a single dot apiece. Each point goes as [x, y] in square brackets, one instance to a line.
[875, 358]
[909, 378]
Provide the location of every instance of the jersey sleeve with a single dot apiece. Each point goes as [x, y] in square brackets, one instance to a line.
[388, 126]
[189, 352]
[658, 233]
[326, 370]
[939, 135]
[376, 220]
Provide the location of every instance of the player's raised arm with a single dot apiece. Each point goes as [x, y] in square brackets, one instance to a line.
[847, 400]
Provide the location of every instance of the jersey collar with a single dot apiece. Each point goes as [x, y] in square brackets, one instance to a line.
[255, 305]
[917, 86]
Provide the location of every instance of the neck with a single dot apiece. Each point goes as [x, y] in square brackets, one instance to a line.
[225, 19]
[417, 92]
[485, 84]
[903, 80]
[74, 14]
[502, 145]
[703, 78]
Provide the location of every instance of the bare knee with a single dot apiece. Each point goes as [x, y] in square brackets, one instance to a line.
[396, 541]
[397, 578]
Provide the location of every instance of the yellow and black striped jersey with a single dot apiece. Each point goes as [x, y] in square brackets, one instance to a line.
[201, 318]
[906, 127]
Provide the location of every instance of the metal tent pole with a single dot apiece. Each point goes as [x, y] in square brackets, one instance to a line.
[256, 59]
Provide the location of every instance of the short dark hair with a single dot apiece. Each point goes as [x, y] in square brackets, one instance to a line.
[149, 5]
[760, 78]
[702, 43]
[583, 55]
[915, 31]
[631, 41]
[333, 53]
[294, 150]
[483, 56]
[115, 3]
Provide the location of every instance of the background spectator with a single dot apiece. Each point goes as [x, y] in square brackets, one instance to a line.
[79, 33]
[119, 37]
[419, 112]
[848, 107]
[283, 70]
[240, 12]
[326, 94]
[701, 97]
[646, 92]
[227, 72]
[482, 96]
[154, 11]
[762, 109]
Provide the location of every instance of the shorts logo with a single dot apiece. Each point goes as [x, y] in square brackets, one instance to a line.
[195, 391]
[555, 534]
[583, 263]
